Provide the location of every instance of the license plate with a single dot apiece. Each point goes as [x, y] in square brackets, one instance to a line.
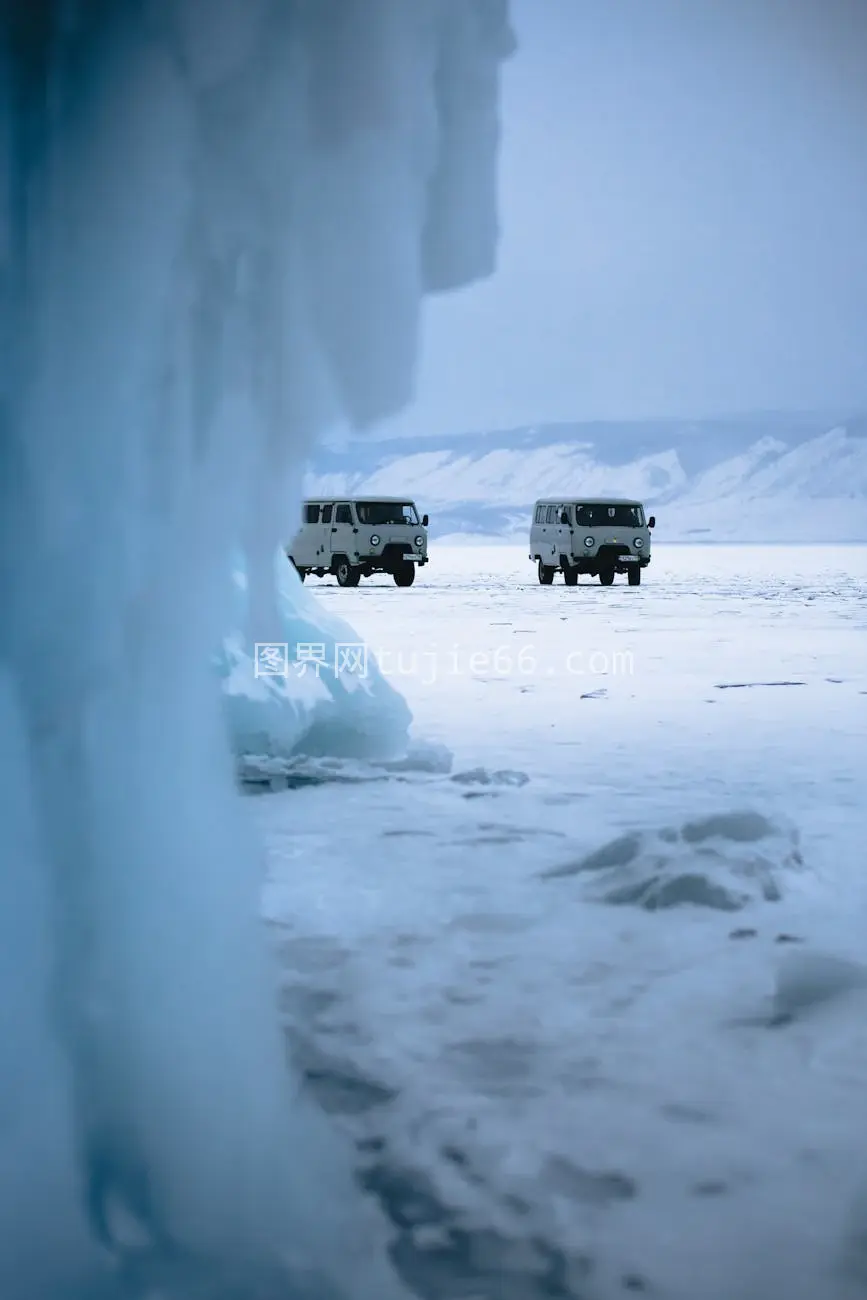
[627, 559]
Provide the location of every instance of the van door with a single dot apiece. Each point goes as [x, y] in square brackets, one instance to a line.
[543, 534]
[343, 541]
[536, 530]
[306, 541]
[551, 534]
[564, 530]
[323, 545]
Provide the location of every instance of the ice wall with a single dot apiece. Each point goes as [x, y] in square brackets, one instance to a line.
[217, 222]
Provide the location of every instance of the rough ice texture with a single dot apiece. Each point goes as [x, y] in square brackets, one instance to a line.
[724, 862]
[216, 227]
[326, 695]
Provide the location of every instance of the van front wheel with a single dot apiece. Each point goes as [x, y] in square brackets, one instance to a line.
[348, 575]
[635, 576]
[606, 577]
[570, 575]
[546, 574]
[404, 575]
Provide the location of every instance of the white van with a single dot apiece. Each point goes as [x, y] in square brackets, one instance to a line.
[593, 535]
[356, 537]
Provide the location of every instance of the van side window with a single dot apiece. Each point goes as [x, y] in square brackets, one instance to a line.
[311, 514]
[344, 514]
[584, 517]
[553, 515]
[326, 514]
[540, 514]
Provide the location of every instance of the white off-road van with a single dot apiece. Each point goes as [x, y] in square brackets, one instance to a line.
[354, 538]
[603, 536]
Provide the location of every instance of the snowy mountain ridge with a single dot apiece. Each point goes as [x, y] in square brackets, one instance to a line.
[758, 484]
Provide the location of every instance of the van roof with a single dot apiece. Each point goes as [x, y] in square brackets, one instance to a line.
[587, 501]
[348, 496]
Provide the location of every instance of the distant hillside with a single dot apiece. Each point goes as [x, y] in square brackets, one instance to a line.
[750, 478]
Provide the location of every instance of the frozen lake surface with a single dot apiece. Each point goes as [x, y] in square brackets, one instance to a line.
[586, 1074]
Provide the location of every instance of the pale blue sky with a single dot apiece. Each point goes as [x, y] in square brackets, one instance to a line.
[684, 206]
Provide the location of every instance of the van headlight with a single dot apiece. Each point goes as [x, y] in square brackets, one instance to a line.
[419, 541]
[374, 539]
[638, 542]
[589, 541]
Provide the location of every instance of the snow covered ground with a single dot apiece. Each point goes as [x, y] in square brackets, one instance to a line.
[565, 1080]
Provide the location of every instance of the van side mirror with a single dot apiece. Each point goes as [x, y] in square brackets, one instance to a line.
[424, 521]
[651, 523]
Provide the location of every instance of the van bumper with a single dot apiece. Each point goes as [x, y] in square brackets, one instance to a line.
[591, 564]
[388, 561]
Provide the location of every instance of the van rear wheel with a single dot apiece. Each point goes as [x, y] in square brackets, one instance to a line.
[404, 575]
[348, 575]
[546, 574]
[606, 577]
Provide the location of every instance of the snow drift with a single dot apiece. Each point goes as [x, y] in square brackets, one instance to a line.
[218, 224]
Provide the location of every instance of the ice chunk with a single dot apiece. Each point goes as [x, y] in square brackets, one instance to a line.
[320, 693]
[723, 862]
[483, 776]
[423, 756]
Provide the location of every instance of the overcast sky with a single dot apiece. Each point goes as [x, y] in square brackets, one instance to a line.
[684, 206]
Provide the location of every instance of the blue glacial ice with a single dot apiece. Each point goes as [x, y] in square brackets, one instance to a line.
[316, 690]
[218, 221]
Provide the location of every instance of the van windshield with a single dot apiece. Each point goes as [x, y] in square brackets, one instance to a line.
[378, 513]
[609, 516]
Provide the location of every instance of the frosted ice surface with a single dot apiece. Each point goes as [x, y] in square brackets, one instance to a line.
[326, 695]
[724, 862]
